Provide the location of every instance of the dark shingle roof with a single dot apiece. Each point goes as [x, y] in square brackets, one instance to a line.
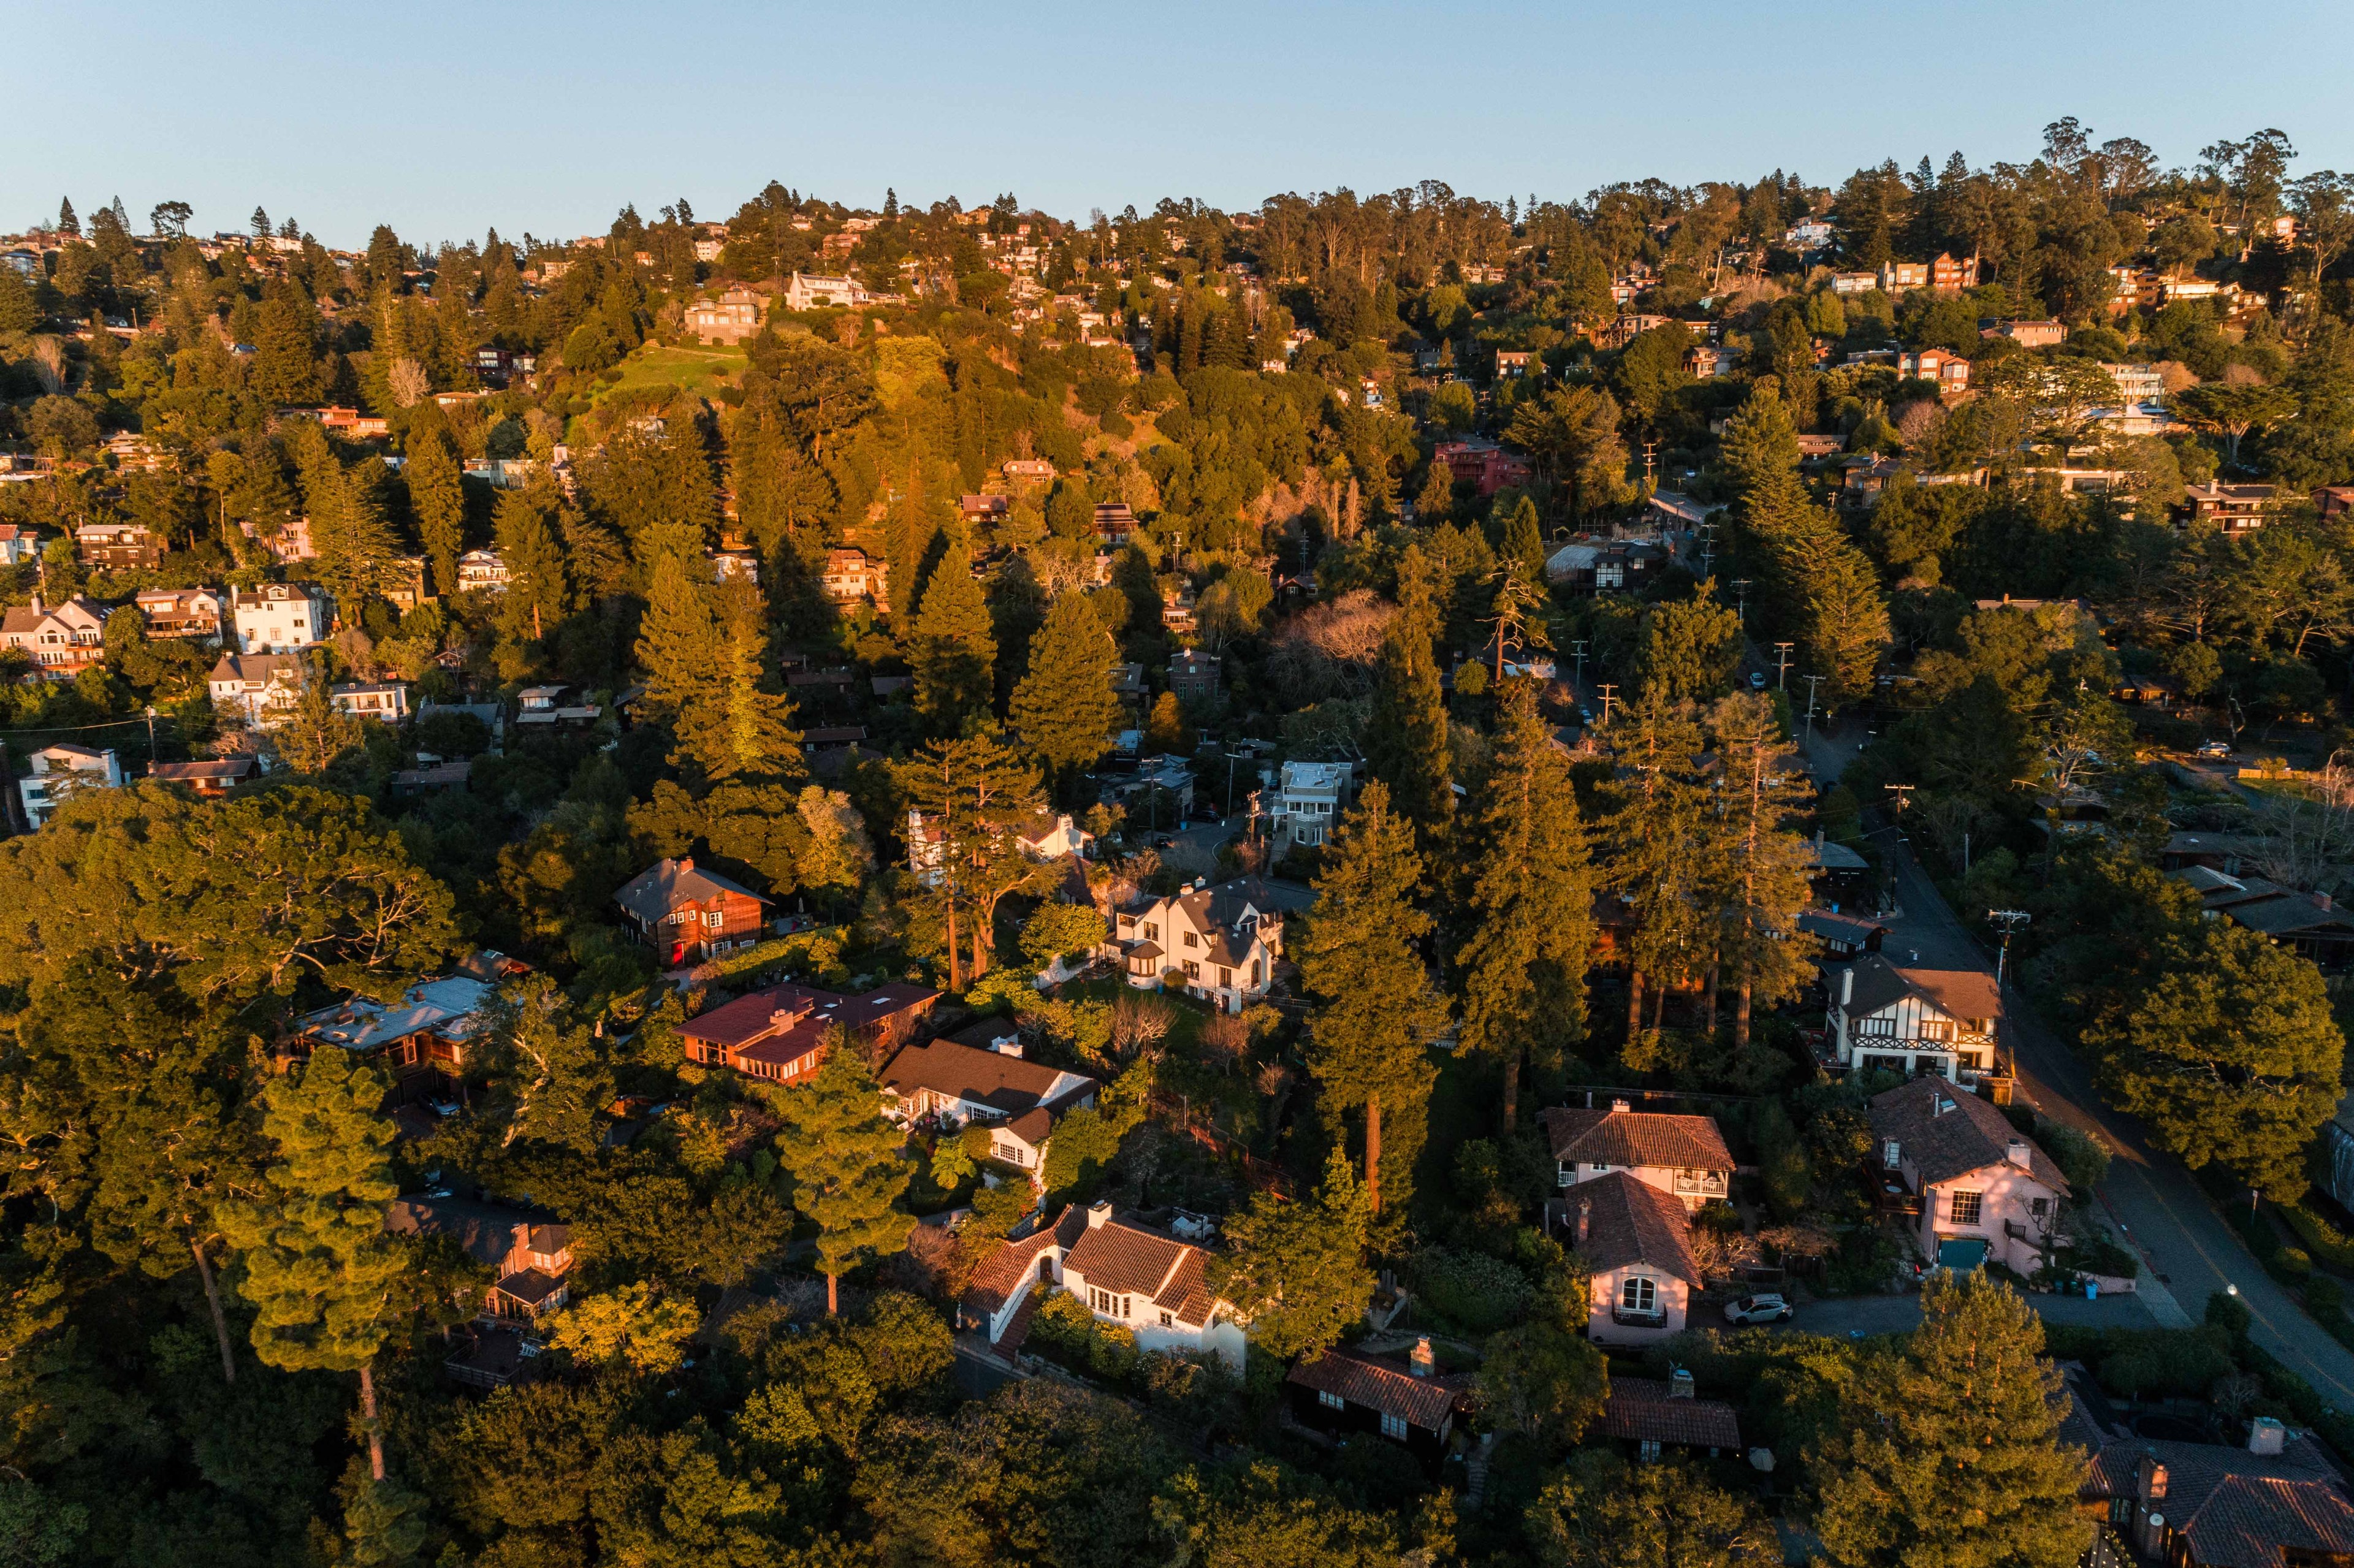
[1642, 1410]
[1967, 1135]
[1637, 1138]
[665, 884]
[1632, 1221]
[1010, 1084]
[1957, 993]
[1377, 1385]
[2237, 1510]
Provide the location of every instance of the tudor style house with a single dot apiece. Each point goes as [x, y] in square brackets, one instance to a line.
[1635, 1241]
[532, 1258]
[1969, 1186]
[951, 1084]
[61, 640]
[1218, 943]
[1683, 1156]
[1405, 1400]
[686, 915]
[1152, 1285]
[780, 1032]
[1912, 1019]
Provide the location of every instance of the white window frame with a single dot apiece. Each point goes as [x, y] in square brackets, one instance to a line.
[1954, 1204]
[1639, 1293]
[1393, 1425]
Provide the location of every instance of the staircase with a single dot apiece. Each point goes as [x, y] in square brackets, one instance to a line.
[1476, 1470]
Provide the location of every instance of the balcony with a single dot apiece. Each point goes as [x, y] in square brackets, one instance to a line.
[1634, 1318]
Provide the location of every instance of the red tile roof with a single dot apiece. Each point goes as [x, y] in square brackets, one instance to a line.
[1643, 1410]
[1637, 1138]
[1631, 1222]
[1377, 1385]
[1967, 1135]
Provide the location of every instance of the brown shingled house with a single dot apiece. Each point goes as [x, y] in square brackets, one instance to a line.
[951, 1084]
[1654, 1415]
[1683, 1156]
[688, 914]
[532, 1258]
[778, 1033]
[1348, 1391]
[1137, 1279]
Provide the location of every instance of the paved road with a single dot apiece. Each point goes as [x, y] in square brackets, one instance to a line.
[2165, 1217]
[1899, 1314]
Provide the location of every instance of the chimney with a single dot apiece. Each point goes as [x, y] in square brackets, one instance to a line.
[2321, 901]
[2265, 1435]
[2018, 1155]
[1619, 1107]
[1847, 985]
[1679, 1383]
[37, 604]
[2150, 1481]
[1098, 1215]
[1423, 1362]
[1007, 1045]
[685, 864]
[1584, 1219]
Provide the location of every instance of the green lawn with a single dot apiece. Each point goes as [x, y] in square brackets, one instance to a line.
[684, 368]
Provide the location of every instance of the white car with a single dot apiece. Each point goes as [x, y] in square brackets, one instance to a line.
[1765, 1309]
[2215, 748]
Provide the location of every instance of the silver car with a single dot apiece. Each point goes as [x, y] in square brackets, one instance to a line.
[1764, 1309]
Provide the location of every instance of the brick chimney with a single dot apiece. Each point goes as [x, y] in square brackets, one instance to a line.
[685, 864]
[2321, 901]
[1098, 1215]
[1619, 1107]
[1680, 1384]
[1423, 1362]
[2150, 1481]
[1584, 1219]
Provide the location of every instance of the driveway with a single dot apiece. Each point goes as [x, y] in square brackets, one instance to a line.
[1849, 1315]
[2188, 1252]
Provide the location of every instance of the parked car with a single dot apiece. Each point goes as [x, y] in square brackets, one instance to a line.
[1764, 1309]
[1756, 680]
[2217, 748]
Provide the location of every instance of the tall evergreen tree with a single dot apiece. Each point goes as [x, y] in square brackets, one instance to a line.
[955, 655]
[849, 1166]
[1657, 863]
[972, 795]
[735, 725]
[437, 495]
[1949, 1451]
[1762, 865]
[537, 594]
[1063, 708]
[1406, 740]
[322, 1274]
[1531, 904]
[1376, 1011]
[1297, 1270]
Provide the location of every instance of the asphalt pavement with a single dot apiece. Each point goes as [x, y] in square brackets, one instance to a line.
[1846, 1315]
[2189, 1251]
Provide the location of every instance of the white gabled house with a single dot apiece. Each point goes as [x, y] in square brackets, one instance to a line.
[1152, 1285]
[1912, 1019]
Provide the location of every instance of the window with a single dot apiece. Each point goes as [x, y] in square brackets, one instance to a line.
[2038, 1207]
[1393, 1426]
[1106, 1303]
[1151, 931]
[1936, 1029]
[1639, 1294]
[713, 919]
[1167, 1319]
[1193, 969]
[1330, 1401]
[1226, 975]
[1885, 1026]
[1256, 974]
[1192, 940]
[1962, 1208]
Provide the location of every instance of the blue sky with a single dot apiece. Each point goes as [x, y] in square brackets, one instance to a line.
[446, 119]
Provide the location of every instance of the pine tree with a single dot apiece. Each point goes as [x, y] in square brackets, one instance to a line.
[1531, 904]
[956, 647]
[1761, 866]
[732, 724]
[973, 793]
[355, 539]
[1064, 709]
[848, 1165]
[320, 1271]
[437, 495]
[1949, 1451]
[536, 593]
[316, 731]
[1600, 1514]
[1523, 548]
[1376, 1011]
[1436, 500]
[1840, 616]
[1297, 1270]
[68, 226]
[1656, 864]
[1406, 740]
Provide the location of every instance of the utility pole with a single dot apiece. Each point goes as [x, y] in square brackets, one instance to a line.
[1741, 586]
[1605, 689]
[1782, 681]
[1577, 652]
[1651, 448]
[1812, 680]
[1708, 551]
[151, 738]
[2009, 920]
[1901, 791]
[1231, 757]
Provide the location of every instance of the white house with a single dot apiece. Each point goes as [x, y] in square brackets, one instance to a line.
[1974, 1187]
[1308, 797]
[1222, 942]
[1912, 1019]
[61, 771]
[1152, 1285]
[1683, 1156]
[262, 687]
[61, 640]
[279, 618]
[482, 569]
[1635, 1239]
[185, 612]
[808, 291]
[18, 544]
[384, 701]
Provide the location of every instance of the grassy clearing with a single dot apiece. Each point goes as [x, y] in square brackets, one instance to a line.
[684, 368]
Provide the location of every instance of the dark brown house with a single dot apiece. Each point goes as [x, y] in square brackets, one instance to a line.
[688, 914]
[1345, 1392]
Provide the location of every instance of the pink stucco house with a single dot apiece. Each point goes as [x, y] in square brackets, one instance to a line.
[1956, 1171]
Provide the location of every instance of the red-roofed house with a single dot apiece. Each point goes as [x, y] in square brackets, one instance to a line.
[1654, 1415]
[1683, 1156]
[1155, 1285]
[778, 1033]
[1634, 1238]
[1968, 1177]
[1408, 1401]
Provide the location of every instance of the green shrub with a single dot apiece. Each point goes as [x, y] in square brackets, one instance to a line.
[2294, 1260]
[2321, 1238]
[2324, 1296]
[2147, 1362]
[1469, 1289]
